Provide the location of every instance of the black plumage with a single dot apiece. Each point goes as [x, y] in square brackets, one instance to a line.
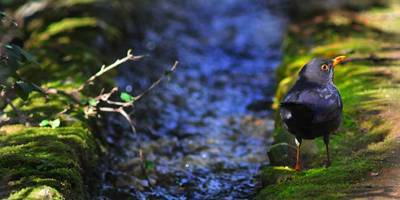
[313, 106]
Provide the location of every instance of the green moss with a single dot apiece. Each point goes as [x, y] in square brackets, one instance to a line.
[34, 162]
[65, 25]
[272, 175]
[37, 193]
[318, 183]
[361, 145]
[36, 159]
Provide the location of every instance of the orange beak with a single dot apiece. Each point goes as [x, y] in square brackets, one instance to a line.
[338, 60]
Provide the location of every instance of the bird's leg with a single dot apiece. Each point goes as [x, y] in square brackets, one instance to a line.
[298, 159]
[326, 141]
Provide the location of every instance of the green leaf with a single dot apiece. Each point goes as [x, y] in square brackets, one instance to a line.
[149, 165]
[93, 102]
[44, 123]
[55, 123]
[126, 97]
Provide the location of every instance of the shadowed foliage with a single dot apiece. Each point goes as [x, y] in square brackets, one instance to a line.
[67, 39]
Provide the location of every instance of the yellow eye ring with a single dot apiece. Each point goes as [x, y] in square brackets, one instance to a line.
[324, 67]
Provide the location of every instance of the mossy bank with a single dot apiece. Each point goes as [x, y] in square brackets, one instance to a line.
[46, 163]
[68, 40]
[369, 85]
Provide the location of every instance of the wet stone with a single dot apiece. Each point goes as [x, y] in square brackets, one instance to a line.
[282, 154]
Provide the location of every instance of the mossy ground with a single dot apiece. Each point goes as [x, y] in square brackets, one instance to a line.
[369, 85]
[45, 163]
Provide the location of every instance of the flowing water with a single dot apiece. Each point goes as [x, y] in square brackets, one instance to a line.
[204, 134]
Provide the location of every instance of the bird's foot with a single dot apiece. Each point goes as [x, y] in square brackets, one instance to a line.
[327, 163]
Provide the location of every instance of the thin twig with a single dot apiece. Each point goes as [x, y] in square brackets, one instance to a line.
[105, 69]
[74, 95]
[117, 103]
[156, 82]
[105, 98]
[121, 111]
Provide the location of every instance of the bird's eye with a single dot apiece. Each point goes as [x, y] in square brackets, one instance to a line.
[324, 67]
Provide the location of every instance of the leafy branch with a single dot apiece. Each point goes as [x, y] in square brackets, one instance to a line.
[129, 100]
[104, 101]
[13, 58]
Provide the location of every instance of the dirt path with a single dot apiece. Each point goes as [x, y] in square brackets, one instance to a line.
[385, 184]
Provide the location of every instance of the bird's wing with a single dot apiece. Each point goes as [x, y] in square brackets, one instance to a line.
[329, 110]
[297, 111]
[317, 105]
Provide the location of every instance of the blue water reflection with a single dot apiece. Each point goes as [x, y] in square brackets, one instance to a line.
[206, 130]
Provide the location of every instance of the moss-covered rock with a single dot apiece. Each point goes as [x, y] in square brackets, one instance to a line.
[67, 39]
[282, 154]
[274, 175]
[44, 161]
[37, 193]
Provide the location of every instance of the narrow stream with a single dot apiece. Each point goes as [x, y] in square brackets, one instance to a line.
[205, 132]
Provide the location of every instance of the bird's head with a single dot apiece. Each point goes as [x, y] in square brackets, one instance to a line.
[320, 70]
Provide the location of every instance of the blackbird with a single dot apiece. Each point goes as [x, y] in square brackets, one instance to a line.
[313, 106]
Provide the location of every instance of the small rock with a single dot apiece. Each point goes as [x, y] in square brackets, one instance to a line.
[282, 154]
